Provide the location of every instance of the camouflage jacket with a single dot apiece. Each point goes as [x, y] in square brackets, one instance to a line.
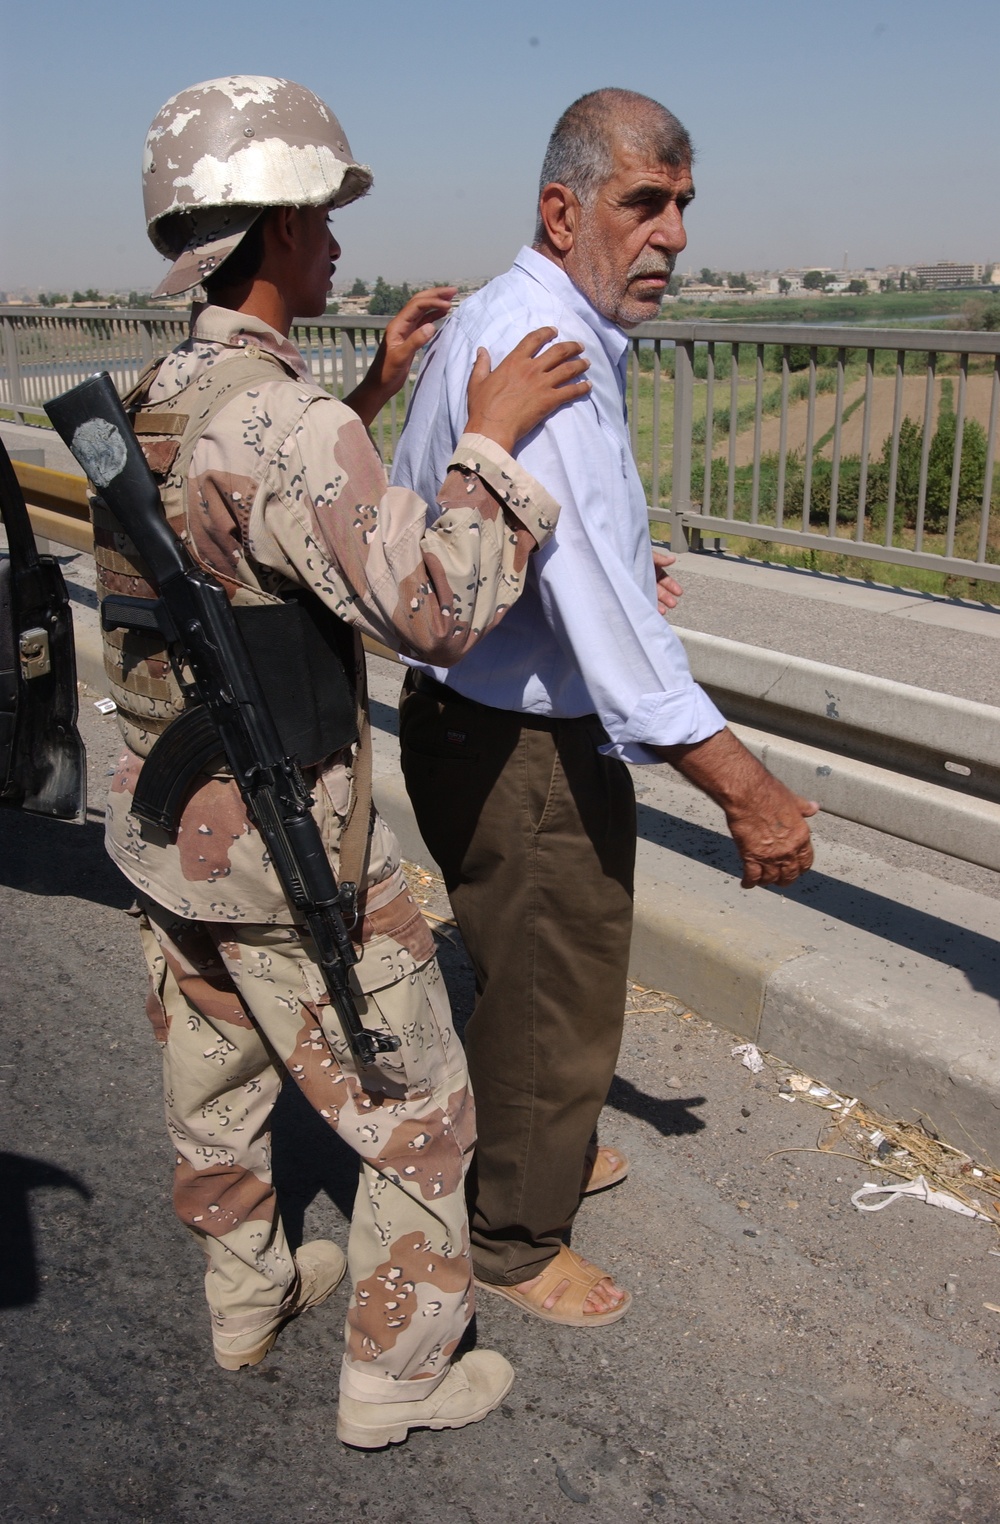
[272, 505]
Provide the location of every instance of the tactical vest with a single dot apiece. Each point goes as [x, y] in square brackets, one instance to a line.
[309, 662]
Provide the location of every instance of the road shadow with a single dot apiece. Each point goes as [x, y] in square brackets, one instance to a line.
[384, 716]
[19, 1176]
[672, 1118]
[57, 859]
[972, 954]
[308, 1159]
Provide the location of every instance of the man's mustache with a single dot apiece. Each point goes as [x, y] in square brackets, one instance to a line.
[648, 265]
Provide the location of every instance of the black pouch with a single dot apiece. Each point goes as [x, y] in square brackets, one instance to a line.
[303, 656]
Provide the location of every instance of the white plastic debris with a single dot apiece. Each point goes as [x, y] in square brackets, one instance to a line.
[750, 1055]
[105, 705]
[917, 1188]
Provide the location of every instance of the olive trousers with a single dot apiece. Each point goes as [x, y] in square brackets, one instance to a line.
[534, 831]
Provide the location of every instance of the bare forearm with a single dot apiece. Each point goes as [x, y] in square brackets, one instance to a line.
[720, 766]
[368, 400]
[766, 820]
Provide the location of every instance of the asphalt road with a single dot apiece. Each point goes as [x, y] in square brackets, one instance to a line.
[786, 1358]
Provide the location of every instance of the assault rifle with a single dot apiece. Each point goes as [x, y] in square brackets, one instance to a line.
[196, 619]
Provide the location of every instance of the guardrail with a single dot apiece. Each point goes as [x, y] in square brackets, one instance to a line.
[45, 351]
[911, 431]
[875, 443]
[912, 763]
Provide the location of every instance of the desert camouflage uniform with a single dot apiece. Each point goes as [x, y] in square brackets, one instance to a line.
[286, 489]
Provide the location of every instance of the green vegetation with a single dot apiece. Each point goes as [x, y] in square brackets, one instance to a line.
[387, 300]
[874, 309]
[110, 298]
[982, 313]
[823, 509]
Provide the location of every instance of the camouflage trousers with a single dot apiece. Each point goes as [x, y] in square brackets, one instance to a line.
[236, 1007]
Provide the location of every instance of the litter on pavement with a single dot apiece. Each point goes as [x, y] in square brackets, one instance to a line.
[915, 1189]
[750, 1055]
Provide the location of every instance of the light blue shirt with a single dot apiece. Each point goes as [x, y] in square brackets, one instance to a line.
[585, 635]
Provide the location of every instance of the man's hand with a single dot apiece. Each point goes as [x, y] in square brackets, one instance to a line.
[771, 834]
[766, 820]
[407, 332]
[667, 590]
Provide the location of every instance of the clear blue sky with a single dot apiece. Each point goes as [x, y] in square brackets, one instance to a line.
[869, 126]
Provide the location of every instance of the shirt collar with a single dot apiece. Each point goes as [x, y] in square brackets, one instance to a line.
[220, 325]
[553, 277]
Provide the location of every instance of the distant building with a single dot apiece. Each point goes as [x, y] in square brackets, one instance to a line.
[944, 273]
[699, 291]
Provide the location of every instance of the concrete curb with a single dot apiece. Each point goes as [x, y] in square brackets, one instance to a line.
[902, 1057]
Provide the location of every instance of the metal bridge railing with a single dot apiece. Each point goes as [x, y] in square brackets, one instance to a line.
[45, 351]
[875, 443]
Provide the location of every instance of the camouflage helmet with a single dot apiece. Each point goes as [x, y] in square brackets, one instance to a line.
[219, 153]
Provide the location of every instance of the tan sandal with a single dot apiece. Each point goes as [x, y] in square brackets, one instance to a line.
[610, 1165]
[578, 1277]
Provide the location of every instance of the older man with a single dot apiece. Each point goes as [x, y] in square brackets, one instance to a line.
[515, 760]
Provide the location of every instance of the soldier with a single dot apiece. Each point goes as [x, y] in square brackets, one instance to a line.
[276, 488]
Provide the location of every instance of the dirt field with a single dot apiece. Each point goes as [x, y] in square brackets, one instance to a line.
[977, 405]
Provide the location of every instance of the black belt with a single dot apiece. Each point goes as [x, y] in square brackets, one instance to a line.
[422, 682]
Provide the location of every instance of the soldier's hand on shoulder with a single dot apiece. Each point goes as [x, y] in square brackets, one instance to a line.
[527, 385]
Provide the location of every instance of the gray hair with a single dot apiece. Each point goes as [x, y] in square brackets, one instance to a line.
[581, 151]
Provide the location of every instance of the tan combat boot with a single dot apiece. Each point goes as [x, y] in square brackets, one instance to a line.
[473, 1387]
[321, 1265]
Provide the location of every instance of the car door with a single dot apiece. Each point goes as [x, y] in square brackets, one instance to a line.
[42, 758]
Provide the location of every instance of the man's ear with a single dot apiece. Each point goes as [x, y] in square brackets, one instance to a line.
[559, 211]
[281, 226]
